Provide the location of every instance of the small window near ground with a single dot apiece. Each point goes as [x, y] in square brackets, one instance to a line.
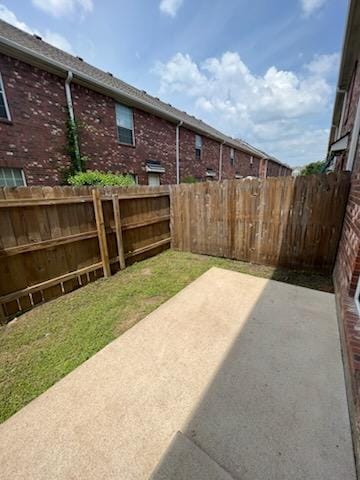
[232, 157]
[4, 109]
[154, 179]
[125, 124]
[198, 147]
[12, 177]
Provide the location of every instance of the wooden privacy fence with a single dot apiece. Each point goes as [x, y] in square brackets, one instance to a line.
[54, 240]
[286, 221]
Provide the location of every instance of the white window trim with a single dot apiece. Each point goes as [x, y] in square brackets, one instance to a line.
[133, 126]
[5, 100]
[357, 293]
[23, 177]
[12, 173]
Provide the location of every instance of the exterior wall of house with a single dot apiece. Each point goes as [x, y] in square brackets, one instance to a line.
[210, 155]
[274, 169]
[347, 268]
[348, 274]
[154, 138]
[35, 139]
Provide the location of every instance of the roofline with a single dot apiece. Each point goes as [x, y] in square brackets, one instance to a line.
[20, 52]
[343, 62]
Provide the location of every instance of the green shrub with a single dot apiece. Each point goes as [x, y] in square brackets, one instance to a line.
[102, 179]
[313, 168]
[189, 179]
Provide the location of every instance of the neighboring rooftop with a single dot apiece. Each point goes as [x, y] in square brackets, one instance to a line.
[33, 49]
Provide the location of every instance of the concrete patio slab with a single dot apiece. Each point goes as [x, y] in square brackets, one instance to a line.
[248, 369]
[183, 460]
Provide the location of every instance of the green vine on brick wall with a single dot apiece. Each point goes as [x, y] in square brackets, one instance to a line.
[73, 130]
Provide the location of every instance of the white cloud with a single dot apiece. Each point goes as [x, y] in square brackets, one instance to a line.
[322, 65]
[10, 17]
[59, 8]
[51, 37]
[170, 7]
[311, 6]
[273, 110]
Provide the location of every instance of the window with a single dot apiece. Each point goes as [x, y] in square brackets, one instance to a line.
[357, 296]
[4, 109]
[198, 147]
[232, 157]
[12, 177]
[125, 124]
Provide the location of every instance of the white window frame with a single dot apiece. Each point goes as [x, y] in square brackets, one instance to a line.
[198, 145]
[232, 156]
[3, 93]
[357, 294]
[12, 172]
[132, 122]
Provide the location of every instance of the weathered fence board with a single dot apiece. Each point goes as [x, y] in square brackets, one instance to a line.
[52, 242]
[284, 221]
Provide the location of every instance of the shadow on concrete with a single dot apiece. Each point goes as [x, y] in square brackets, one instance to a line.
[276, 406]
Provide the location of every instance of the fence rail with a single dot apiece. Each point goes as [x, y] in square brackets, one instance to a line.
[286, 221]
[54, 240]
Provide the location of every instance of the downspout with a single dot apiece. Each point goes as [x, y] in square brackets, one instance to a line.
[178, 151]
[265, 167]
[70, 107]
[221, 161]
[345, 93]
[354, 139]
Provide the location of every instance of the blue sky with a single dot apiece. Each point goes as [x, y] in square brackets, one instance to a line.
[264, 71]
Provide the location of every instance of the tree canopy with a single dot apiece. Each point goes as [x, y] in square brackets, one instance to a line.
[313, 168]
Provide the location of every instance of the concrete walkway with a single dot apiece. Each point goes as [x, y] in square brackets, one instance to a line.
[249, 370]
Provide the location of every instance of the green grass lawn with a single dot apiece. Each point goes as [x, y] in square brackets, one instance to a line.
[43, 345]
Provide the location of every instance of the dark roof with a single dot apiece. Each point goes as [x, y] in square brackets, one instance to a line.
[31, 48]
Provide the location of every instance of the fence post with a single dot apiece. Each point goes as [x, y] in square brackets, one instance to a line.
[2, 315]
[119, 237]
[99, 216]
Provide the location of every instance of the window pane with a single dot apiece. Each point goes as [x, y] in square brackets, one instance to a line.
[11, 177]
[124, 116]
[198, 141]
[3, 113]
[125, 136]
[198, 153]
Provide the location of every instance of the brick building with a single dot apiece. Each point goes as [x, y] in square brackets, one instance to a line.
[344, 154]
[122, 129]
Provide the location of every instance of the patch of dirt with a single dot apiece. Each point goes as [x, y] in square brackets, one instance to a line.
[134, 317]
[146, 272]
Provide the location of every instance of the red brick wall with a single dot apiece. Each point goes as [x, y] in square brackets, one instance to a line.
[347, 270]
[189, 166]
[35, 140]
[154, 138]
[242, 164]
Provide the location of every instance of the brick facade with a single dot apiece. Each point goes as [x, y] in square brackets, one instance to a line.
[347, 267]
[35, 139]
